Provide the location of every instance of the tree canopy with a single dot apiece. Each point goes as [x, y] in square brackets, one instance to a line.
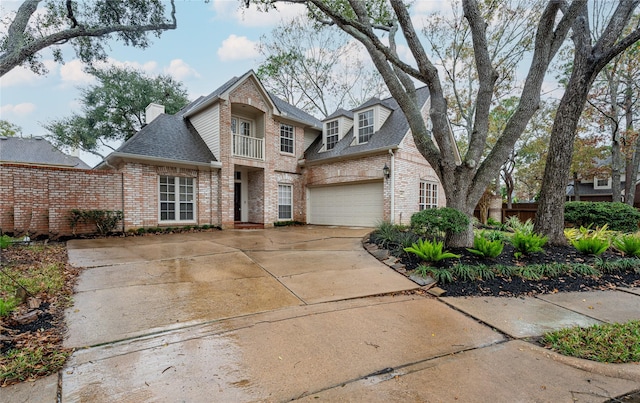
[378, 26]
[86, 25]
[113, 109]
[8, 129]
[317, 68]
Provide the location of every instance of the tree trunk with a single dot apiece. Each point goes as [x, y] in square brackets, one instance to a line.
[634, 160]
[550, 214]
[457, 198]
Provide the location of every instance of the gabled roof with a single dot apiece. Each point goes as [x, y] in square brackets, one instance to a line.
[291, 112]
[389, 136]
[338, 113]
[168, 137]
[37, 151]
[375, 101]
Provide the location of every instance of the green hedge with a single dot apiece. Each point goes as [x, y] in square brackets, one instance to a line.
[618, 216]
[431, 222]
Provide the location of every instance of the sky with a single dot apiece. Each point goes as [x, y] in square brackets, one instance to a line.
[214, 41]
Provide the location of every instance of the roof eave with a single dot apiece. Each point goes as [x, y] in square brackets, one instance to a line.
[306, 162]
[113, 157]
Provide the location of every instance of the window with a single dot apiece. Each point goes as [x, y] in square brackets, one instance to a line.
[176, 199]
[332, 134]
[286, 138]
[365, 126]
[285, 204]
[428, 195]
[240, 126]
[601, 183]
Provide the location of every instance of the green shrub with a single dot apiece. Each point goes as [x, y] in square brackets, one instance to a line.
[430, 251]
[628, 244]
[516, 225]
[485, 248]
[105, 220]
[493, 222]
[619, 216]
[433, 222]
[385, 234]
[527, 243]
[591, 246]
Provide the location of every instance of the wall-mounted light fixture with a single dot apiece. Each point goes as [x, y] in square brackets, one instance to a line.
[386, 171]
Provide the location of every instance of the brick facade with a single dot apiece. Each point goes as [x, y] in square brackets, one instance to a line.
[37, 200]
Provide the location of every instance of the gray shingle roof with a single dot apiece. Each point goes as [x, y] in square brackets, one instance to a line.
[169, 137]
[288, 110]
[338, 113]
[390, 134]
[36, 151]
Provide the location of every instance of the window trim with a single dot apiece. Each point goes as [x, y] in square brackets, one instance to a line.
[427, 195]
[596, 185]
[290, 200]
[336, 134]
[177, 202]
[284, 128]
[239, 120]
[369, 126]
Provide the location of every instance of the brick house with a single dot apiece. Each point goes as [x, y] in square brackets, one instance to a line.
[241, 155]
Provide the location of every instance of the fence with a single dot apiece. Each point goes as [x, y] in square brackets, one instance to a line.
[36, 200]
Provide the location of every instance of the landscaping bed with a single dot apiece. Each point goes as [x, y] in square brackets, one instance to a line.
[36, 287]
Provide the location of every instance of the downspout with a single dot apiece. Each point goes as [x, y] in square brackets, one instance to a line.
[393, 187]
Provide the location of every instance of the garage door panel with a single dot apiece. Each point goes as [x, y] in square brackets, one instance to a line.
[355, 204]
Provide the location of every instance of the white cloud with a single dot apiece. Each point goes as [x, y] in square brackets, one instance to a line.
[237, 48]
[24, 76]
[251, 17]
[149, 67]
[180, 70]
[73, 73]
[19, 110]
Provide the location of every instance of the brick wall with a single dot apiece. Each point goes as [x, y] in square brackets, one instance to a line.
[37, 200]
[141, 194]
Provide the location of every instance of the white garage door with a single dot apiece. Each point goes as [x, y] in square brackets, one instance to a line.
[358, 204]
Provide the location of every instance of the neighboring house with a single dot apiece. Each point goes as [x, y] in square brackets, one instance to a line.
[242, 155]
[36, 151]
[597, 190]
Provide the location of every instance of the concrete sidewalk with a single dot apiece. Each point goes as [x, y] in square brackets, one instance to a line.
[305, 314]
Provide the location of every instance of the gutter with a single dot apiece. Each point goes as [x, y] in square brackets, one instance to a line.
[144, 158]
[305, 162]
[393, 186]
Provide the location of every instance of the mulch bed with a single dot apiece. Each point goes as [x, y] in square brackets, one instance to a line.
[516, 286]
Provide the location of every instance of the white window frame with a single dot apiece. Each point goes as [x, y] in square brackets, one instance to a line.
[332, 129]
[236, 124]
[597, 185]
[366, 130]
[428, 195]
[285, 199]
[176, 199]
[287, 130]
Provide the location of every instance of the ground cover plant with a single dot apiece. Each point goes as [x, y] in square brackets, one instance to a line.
[511, 260]
[36, 285]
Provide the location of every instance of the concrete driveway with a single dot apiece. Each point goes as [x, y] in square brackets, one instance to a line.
[301, 313]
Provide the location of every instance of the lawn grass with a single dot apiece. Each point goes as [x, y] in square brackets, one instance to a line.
[610, 343]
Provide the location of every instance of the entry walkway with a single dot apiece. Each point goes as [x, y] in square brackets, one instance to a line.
[306, 314]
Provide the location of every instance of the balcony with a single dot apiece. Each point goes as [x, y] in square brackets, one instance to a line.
[248, 147]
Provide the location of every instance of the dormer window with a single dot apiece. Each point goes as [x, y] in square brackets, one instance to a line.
[365, 126]
[332, 134]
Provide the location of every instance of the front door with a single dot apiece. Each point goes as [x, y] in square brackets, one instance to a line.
[237, 202]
